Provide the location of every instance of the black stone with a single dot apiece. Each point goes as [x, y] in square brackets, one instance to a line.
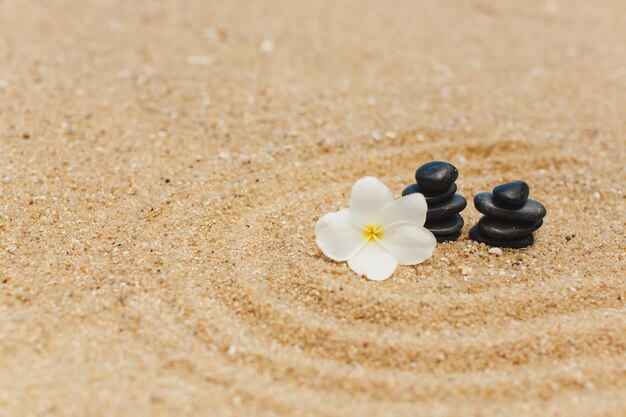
[503, 229]
[436, 176]
[446, 208]
[520, 242]
[530, 212]
[447, 238]
[447, 226]
[429, 195]
[513, 193]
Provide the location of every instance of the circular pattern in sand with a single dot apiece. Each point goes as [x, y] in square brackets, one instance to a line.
[430, 333]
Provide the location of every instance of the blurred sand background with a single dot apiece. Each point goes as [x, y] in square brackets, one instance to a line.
[163, 163]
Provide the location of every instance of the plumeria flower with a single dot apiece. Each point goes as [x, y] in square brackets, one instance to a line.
[377, 233]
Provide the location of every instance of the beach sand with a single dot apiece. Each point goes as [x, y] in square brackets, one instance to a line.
[163, 164]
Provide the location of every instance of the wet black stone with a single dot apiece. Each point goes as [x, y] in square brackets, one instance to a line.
[436, 176]
[520, 242]
[530, 212]
[446, 208]
[447, 226]
[503, 229]
[447, 238]
[513, 193]
[429, 195]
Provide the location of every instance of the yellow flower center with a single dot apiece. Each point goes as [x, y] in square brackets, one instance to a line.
[372, 231]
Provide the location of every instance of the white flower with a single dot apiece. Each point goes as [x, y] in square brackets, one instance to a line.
[377, 233]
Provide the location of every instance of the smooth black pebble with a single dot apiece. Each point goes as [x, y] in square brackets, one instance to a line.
[446, 208]
[447, 226]
[436, 176]
[447, 238]
[512, 193]
[518, 243]
[530, 212]
[502, 229]
[429, 195]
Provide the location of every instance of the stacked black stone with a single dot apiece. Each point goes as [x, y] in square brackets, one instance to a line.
[435, 180]
[510, 217]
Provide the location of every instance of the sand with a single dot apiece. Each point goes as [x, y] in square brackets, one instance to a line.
[163, 164]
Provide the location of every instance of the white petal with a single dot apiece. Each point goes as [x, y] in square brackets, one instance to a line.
[410, 243]
[411, 208]
[374, 262]
[369, 197]
[337, 237]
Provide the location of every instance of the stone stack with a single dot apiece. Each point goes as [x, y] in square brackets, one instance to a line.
[510, 217]
[435, 180]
